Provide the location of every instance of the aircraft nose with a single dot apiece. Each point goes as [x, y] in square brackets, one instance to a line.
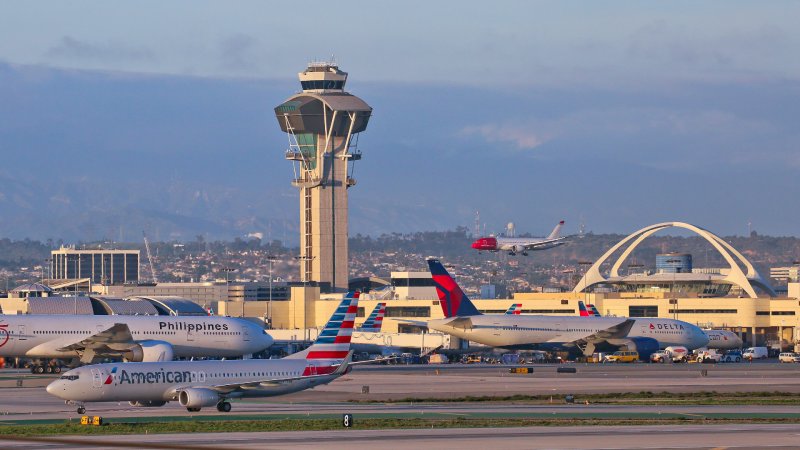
[54, 388]
[476, 244]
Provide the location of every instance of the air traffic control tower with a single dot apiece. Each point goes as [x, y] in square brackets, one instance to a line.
[322, 123]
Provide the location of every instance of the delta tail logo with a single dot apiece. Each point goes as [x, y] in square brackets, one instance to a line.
[110, 378]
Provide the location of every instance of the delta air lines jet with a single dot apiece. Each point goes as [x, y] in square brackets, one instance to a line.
[645, 335]
[198, 384]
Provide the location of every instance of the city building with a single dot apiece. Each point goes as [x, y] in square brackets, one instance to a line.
[99, 266]
[323, 123]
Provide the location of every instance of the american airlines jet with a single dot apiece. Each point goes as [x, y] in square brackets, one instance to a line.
[521, 245]
[132, 338]
[645, 335]
[374, 322]
[198, 384]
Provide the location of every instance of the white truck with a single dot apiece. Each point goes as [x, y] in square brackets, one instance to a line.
[709, 355]
[755, 353]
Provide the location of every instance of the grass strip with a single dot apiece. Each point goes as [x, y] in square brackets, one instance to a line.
[335, 424]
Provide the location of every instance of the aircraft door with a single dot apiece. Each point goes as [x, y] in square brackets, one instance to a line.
[97, 378]
[246, 334]
[190, 335]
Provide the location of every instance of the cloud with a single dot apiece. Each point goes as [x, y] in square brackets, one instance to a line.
[70, 48]
[522, 137]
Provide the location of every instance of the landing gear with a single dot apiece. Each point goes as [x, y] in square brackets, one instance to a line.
[81, 410]
[38, 370]
[524, 253]
[224, 407]
[193, 409]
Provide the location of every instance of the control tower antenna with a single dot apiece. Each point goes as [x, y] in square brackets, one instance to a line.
[322, 124]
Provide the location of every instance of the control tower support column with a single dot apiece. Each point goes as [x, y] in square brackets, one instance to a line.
[322, 124]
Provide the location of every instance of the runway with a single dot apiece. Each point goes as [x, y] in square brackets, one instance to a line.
[626, 437]
[387, 385]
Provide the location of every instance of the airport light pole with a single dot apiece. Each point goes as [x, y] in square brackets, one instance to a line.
[271, 259]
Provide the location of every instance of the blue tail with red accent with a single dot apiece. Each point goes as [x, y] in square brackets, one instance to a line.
[515, 309]
[333, 343]
[454, 301]
[374, 322]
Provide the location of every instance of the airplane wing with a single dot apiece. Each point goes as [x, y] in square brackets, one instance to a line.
[255, 384]
[542, 243]
[615, 332]
[109, 342]
[418, 323]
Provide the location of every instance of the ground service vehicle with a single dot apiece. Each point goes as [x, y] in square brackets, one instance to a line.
[622, 357]
[731, 357]
[789, 357]
[677, 353]
[755, 353]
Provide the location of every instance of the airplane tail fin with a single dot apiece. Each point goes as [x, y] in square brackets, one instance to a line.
[375, 320]
[593, 310]
[333, 343]
[453, 300]
[515, 309]
[554, 234]
[582, 308]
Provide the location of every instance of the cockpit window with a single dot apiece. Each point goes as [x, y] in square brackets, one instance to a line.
[69, 377]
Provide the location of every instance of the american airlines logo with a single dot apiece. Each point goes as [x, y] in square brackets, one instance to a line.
[162, 376]
[180, 326]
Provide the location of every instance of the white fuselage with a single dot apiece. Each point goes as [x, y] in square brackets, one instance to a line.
[511, 244]
[507, 330]
[46, 336]
[723, 340]
[161, 381]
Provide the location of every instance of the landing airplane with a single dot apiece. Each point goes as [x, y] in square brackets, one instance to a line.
[463, 320]
[374, 322]
[521, 245]
[131, 338]
[198, 384]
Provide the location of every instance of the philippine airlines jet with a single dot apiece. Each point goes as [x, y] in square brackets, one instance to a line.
[645, 335]
[520, 245]
[375, 320]
[132, 338]
[198, 384]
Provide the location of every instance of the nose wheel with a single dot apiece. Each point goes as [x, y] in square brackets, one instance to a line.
[81, 410]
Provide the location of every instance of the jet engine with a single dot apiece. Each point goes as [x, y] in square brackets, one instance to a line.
[149, 351]
[518, 248]
[147, 404]
[198, 397]
[645, 346]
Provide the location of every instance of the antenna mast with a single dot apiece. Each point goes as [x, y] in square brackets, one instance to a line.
[149, 258]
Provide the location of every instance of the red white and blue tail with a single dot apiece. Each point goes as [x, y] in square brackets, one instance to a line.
[515, 309]
[375, 320]
[333, 343]
[593, 310]
[582, 308]
[588, 310]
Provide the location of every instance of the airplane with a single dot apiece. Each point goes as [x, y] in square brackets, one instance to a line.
[723, 340]
[587, 310]
[375, 320]
[130, 338]
[463, 320]
[521, 245]
[515, 308]
[198, 384]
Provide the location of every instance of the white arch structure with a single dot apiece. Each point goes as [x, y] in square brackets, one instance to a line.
[735, 276]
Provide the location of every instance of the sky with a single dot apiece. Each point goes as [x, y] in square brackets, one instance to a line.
[158, 115]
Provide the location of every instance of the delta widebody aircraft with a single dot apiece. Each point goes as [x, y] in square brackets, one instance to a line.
[463, 320]
[131, 338]
[521, 245]
[198, 384]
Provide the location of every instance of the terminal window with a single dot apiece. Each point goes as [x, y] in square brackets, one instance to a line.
[642, 311]
[408, 311]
